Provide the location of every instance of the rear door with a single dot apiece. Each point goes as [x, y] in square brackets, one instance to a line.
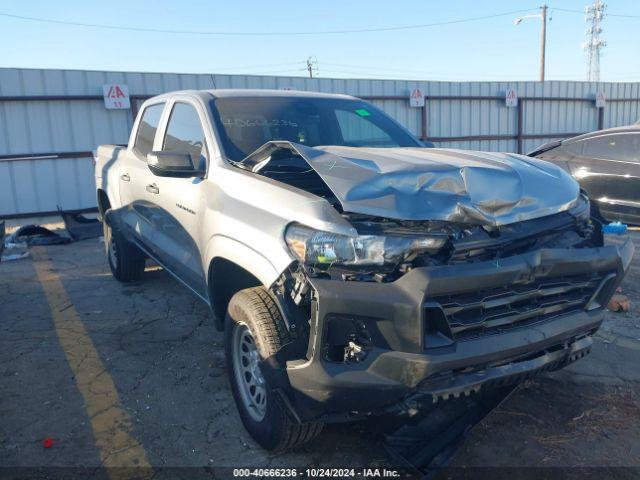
[136, 193]
[608, 168]
[180, 202]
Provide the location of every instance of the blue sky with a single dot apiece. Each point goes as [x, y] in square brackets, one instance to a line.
[490, 49]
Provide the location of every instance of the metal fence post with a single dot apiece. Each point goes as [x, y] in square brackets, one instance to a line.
[600, 118]
[519, 125]
[424, 120]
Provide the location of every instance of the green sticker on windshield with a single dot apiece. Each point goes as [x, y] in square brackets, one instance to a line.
[363, 112]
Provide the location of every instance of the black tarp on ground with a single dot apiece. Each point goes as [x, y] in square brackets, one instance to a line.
[81, 227]
[37, 235]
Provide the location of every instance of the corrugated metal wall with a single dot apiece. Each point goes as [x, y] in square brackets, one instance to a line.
[53, 126]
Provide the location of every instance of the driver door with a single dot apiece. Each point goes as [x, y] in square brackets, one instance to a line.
[179, 202]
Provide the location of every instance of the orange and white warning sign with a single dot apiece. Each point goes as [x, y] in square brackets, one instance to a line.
[511, 98]
[416, 99]
[116, 96]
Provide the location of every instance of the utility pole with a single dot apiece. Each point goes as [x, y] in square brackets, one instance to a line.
[593, 45]
[543, 35]
[311, 64]
[543, 41]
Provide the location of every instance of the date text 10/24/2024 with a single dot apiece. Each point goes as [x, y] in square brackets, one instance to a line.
[317, 472]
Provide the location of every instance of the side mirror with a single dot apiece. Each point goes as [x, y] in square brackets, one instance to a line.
[172, 164]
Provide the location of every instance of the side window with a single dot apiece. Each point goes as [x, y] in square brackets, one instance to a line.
[628, 147]
[147, 129]
[185, 134]
[624, 146]
[358, 131]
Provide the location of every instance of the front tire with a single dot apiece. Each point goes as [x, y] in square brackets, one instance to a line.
[126, 261]
[255, 330]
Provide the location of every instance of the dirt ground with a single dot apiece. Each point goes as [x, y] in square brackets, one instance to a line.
[71, 337]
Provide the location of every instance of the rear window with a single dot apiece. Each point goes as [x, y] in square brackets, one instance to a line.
[147, 129]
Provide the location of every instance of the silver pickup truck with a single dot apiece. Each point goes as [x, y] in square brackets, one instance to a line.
[353, 270]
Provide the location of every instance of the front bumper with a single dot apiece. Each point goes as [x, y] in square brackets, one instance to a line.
[412, 348]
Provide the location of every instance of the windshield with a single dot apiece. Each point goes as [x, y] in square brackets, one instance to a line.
[247, 123]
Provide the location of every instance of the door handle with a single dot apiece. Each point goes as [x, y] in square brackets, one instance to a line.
[153, 188]
[125, 177]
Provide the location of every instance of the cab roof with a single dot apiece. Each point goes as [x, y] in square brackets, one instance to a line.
[250, 92]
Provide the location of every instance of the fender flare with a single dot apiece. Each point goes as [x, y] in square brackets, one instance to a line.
[221, 246]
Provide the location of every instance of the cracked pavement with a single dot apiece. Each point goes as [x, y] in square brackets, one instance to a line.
[159, 345]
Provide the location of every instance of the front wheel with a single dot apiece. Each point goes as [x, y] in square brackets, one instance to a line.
[254, 330]
[126, 261]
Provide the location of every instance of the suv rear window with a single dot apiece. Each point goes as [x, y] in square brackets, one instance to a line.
[147, 129]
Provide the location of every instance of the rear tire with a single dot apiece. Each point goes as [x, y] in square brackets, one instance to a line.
[126, 261]
[255, 330]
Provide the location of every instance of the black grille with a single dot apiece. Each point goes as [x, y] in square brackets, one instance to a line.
[496, 310]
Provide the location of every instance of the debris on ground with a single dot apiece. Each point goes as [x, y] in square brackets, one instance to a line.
[81, 227]
[47, 442]
[5, 243]
[35, 235]
[619, 303]
[429, 443]
[15, 256]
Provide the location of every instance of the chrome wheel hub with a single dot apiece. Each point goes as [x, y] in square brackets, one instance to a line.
[249, 379]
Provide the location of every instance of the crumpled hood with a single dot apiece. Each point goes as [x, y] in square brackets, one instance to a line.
[434, 183]
[442, 184]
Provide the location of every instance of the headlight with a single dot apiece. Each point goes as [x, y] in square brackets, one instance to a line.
[316, 247]
[582, 209]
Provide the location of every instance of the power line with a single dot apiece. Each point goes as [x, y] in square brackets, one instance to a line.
[381, 70]
[386, 76]
[620, 15]
[278, 71]
[376, 68]
[253, 34]
[268, 65]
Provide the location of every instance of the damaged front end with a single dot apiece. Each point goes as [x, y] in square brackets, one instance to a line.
[407, 311]
[420, 184]
[386, 249]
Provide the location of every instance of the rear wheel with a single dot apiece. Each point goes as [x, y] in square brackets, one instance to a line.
[254, 330]
[126, 261]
